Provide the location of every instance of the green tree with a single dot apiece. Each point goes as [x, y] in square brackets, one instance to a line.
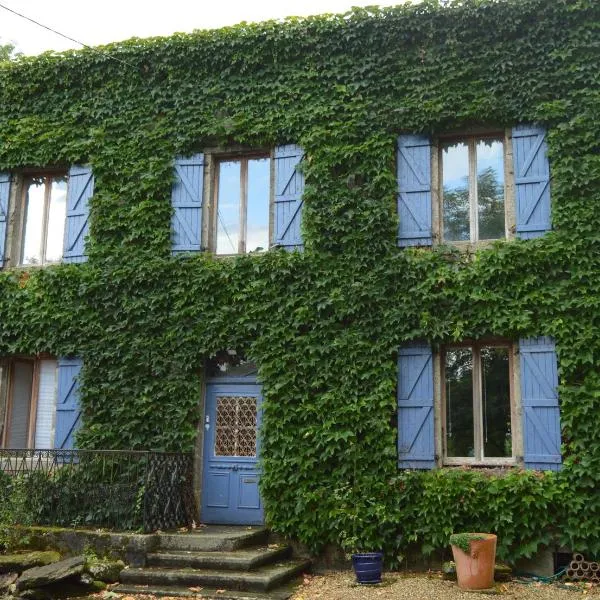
[8, 52]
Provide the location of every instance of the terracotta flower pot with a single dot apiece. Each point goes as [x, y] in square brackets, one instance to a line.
[475, 569]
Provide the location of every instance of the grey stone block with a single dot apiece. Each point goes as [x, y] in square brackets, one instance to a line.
[49, 574]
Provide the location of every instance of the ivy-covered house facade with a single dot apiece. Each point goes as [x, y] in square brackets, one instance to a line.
[356, 275]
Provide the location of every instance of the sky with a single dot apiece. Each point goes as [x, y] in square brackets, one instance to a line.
[95, 23]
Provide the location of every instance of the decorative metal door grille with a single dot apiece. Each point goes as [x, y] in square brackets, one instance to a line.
[235, 433]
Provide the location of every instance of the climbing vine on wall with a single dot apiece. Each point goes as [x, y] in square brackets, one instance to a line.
[324, 326]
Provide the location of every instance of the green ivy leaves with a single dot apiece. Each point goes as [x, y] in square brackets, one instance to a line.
[323, 326]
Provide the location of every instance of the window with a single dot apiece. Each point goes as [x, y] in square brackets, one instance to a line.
[28, 395]
[473, 199]
[44, 213]
[470, 189]
[242, 208]
[478, 403]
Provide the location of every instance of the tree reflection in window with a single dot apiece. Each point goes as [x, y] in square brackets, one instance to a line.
[473, 212]
[478, 401]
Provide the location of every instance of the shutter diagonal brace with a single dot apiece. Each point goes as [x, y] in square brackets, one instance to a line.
[539, 375]
[532, 154]
[293, 171]
[192, 199]
[73, 428]
[79, 211]
[298, 202]
[84, 188]
[526, 213]
[541, 411]
[187, 186]
[186, 228]
[425, 410]
[541, 431]
[417, 172]
[420, 226]
[415, 447]
[68, 396]
[80, 189]
[416, 380]
[414, 190]
[284, 200]
[68, 411]
[532, 190]
[291, 219]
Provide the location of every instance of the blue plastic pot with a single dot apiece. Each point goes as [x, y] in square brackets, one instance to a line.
[368, 566]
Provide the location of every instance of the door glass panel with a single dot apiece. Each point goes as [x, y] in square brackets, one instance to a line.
[228, 207]
[257, 217]
[495, 381]
[490, 189]
[56, 219]
[455, 171]
[460, 438]
[235, 428]
[34, 220]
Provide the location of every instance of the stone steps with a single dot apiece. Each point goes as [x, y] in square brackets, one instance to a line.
[229, 563]
[214, 539]
[204, 593]
[263, 579]
[237, 560]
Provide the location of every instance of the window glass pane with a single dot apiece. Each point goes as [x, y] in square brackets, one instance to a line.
[257, 215]
[34, 219]
[497, 440]
[490, 189]
[460, 436]
[56, 219]
[20, 405]
[455, 170]
[228, 207]
[46, 404]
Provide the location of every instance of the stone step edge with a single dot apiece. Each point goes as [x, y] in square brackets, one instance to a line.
[263, 579]
[223, 560]
[211, 542]
[203, 593]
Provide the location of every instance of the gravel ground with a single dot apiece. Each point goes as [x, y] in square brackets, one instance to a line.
[340, 585]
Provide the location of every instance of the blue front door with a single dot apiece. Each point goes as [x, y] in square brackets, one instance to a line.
[230, 494]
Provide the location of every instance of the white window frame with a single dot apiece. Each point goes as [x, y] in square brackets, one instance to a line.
[469, 137]
[515, 407]
[213, 159]
[20, 197]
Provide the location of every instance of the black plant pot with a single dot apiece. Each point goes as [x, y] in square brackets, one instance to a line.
[368, 566]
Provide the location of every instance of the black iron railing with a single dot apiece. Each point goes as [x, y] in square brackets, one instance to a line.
[116, 489]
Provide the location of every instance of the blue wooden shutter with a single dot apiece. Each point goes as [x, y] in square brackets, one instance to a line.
[68, 411]
[532, 181]
[414, 190]
[79, 191]
[186, 199]
[539, 396]
[4, 196]
[416, 448]
[289, 187]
